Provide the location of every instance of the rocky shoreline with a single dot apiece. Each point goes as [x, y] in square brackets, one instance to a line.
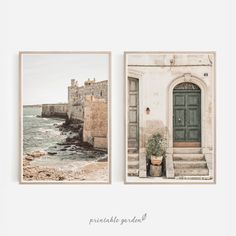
[96, 171]
[95, 161]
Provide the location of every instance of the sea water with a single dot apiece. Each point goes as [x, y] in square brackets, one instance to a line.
[39, 133]
[43, 134]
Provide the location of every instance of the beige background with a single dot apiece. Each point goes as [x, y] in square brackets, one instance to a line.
[116, 26]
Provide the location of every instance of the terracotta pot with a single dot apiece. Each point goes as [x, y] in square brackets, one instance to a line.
[156, 160]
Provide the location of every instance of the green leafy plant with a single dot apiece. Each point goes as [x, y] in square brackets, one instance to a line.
[156, 145]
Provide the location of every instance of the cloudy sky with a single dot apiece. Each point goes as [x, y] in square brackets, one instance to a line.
[47, 76]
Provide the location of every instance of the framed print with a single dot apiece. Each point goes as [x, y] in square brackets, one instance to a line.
[170, 117]
[65, 117]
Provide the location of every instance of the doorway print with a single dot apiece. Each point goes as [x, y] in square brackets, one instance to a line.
[187, 115]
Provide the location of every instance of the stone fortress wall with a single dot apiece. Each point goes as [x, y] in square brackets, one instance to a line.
[77, 96]
[95, 121]
[87, 105]
[55, 110]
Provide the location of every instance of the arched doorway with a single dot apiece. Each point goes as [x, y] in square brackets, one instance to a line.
[186, 115]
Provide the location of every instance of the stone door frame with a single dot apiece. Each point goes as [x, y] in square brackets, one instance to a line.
[188, 77]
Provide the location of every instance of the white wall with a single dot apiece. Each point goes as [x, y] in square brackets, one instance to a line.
[155, 85]
[117, 26]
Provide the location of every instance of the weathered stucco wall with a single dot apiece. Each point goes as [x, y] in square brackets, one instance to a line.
[156, 73]
[95, 121]
[54, 110]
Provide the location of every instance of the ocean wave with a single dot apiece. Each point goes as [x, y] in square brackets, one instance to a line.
[38, 138]
[52, 131]
[44, 130]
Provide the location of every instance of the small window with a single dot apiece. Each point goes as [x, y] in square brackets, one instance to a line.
[101, 93]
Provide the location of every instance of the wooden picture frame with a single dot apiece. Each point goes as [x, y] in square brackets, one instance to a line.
[88, 107]
[189, 156]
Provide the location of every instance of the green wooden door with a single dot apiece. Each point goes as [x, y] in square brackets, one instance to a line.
[187, 115]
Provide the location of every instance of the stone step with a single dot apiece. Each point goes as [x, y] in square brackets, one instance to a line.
[187, 150]
[133, 157]
[191, 172]
[133, 164]
[132, 150]
[189, 164]
[133, 172]
[188, 157]
[204, 177]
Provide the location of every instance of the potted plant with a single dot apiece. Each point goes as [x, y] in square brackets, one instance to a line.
[155, 150]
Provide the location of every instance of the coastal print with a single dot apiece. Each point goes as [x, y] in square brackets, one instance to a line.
[65, 117]
[170, 117]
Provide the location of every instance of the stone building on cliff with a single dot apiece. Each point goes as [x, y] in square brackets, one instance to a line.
[87, 106]
[77, 96]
